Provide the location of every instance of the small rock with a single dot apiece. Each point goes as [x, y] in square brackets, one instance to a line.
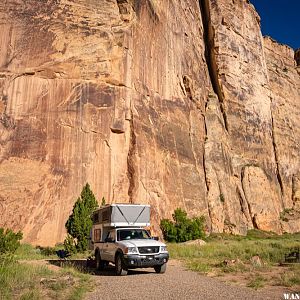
[67, 279]
[256, 261]
[195, 242]
[231, 262]
[64, 279]
[48, 280]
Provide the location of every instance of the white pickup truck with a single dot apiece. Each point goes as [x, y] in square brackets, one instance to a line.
[118, 237]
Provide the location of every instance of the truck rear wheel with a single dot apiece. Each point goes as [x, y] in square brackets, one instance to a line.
[100, 264]
[160, 269]
[120, 269]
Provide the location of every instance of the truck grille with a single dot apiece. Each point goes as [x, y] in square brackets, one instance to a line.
[148, 250]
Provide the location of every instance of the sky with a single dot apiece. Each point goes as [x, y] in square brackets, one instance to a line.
[280, 20]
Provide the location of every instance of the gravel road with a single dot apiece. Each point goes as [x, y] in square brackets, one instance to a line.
[176, 283]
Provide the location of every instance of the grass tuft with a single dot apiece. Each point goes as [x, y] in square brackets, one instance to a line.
[84, 284]
[291, 278]
[256, 281]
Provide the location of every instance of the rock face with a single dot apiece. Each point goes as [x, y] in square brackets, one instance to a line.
[297, 56]
[172, 103]
[285, 107]
[247, 180]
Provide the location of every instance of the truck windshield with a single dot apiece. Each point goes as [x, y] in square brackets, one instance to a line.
[133, 234]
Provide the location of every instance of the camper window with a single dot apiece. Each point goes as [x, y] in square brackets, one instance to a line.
[96, 218]
[105, 215]
[97, 235]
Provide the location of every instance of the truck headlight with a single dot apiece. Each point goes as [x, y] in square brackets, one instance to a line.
[131, 250]
[163, 249]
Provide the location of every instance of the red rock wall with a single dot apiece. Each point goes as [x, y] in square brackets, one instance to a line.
[246, 142]
[122, 95]
[63, 90]
[284, 81]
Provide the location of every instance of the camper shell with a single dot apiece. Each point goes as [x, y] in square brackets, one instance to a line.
[120, 215]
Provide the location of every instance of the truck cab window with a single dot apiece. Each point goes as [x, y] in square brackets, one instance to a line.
[132, 234]
[111, 235]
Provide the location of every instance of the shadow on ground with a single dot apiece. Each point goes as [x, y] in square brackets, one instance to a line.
[84, 266]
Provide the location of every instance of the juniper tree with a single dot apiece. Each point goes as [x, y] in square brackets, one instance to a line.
[80, 223]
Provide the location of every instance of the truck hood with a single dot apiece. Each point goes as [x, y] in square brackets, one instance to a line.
[141, 243]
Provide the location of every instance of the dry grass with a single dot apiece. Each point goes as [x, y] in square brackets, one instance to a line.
[225, 254]
[28, 281]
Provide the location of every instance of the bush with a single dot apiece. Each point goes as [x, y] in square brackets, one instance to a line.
[182, 229]
[80, 223]
[70, 245]
[9, 241]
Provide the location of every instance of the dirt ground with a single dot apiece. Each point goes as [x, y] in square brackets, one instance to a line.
[177, 283]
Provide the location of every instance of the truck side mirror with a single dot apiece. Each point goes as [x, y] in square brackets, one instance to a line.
[156, 238]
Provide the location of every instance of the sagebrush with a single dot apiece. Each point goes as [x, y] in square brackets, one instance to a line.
[9, 240]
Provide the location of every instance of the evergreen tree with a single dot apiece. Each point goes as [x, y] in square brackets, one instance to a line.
[80, 223]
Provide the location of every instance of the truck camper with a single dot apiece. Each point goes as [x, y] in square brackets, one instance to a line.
[119, 236]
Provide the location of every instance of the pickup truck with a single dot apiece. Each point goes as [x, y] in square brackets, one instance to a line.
[130, 248]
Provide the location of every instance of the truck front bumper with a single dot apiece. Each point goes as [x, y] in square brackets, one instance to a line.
[132, 261]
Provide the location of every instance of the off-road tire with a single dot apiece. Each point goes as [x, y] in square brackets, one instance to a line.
[120, 269]
[160, 269]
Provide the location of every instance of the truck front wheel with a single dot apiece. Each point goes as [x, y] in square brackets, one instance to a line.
[161, 268]
[120, 270]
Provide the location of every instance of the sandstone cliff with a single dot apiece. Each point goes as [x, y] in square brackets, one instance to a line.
[172, 103]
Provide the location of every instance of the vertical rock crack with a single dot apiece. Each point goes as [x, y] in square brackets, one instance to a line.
[276, 155]
[130, 161]
[208, 36]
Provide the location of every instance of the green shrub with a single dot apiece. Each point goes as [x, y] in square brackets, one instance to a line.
[182, 229]
[9, 240]
[80, 223]
[70, 245]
